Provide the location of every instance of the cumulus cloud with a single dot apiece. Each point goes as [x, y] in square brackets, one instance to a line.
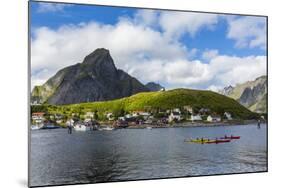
[51, 7]
[143, 50]
[175, 24]
[248, 31]
[207, 55]
[230, 70]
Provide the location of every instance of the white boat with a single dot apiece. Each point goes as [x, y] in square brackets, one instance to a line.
[36, 127]
[149, 128]
[106, 129]
[81, 127]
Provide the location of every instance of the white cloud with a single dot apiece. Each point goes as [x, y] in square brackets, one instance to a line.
[51, 7]
[209, 54]
[143, 51]
[230, 70]
[248, 31]
[175, 24]
[147, 17]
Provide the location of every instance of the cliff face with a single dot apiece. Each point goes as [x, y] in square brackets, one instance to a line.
[251, 94]
[95, 79]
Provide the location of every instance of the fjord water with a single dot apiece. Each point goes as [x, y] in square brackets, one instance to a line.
[130, 154]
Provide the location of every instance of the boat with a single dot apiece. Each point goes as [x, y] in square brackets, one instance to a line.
[50, 126]
[81, 127]
[149, 128]
[36, 127]
[106, 129]
[230, 137]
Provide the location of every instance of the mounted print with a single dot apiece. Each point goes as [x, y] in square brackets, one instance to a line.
[127, 93]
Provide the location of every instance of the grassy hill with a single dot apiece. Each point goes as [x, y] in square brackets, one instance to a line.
[148, 101]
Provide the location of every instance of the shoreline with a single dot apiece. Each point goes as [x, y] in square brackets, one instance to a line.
[192, 124]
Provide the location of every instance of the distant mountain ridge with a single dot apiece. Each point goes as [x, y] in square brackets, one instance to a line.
[251, 94]
[154, 86]
[95, 79]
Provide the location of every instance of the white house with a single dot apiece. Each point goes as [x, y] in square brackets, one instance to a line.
[204, 110]
[228, 115]
[122, 118]
[196, 117]
[110, 116]
[176, 110]
[89, 115]
[188, 109]
[59, 121]
[86, 120]
[140, 113]
[213, 118]
[38, 117]
[69, 122]
[128, 116]
[175, 116]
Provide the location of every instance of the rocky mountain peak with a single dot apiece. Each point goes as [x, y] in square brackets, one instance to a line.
[100, 63]
[95, 79]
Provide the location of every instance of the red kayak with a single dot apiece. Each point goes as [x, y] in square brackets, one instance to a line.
[217, 141]
[230, 137]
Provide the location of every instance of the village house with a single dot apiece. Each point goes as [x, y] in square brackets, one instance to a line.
[227, 115]
[122, 118]
[140, 113]
[38, 117]
[89, 115]
[128, 116]
[110, 116]
[176, 110]
[211, 118]
[175, 116]
[204, 110]
[69, 122]
[196, 117]
[59, 121]
[188, 108]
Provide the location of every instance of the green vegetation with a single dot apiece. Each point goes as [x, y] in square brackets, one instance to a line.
[153, 101]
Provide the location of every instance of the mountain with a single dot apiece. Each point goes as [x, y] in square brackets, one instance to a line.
[177, 98]
[95, 79]
[251, 94]
[152, 86]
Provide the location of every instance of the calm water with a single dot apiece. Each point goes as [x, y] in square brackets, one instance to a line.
[129, 154]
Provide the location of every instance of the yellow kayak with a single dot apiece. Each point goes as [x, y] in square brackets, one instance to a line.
[199, 141]
[207, 141]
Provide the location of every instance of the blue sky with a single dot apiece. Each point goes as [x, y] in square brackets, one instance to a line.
[196, 43]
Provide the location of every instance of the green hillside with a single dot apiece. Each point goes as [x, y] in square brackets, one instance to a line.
[148, 101]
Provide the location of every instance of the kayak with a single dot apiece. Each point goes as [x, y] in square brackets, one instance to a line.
[230, 137]
[200, 141]
[208, 141]
[218, 141]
